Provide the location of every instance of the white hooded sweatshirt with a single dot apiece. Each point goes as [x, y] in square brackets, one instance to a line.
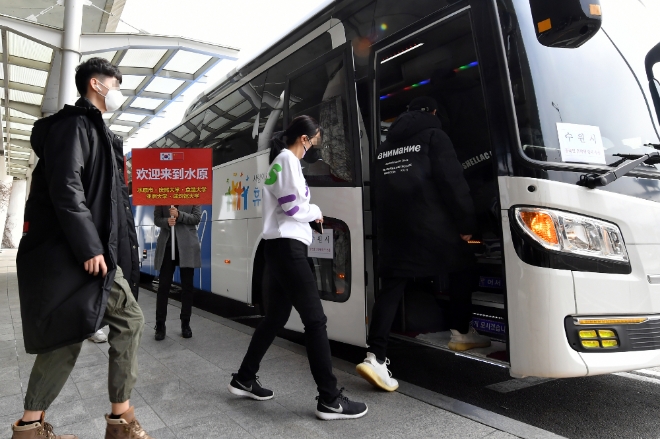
[287, 210]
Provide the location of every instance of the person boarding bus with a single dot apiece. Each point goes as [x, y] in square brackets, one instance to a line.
[425, 216]
[289, 278]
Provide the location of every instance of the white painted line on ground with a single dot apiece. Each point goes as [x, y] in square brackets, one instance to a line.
[649, 372]
[517, 384]
[634, 376]
[483, 416]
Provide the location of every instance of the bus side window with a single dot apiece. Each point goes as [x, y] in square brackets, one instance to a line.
[272, 106]
[229, 125]
[320, 92]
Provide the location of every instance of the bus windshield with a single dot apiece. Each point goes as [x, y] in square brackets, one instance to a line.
[600, 88]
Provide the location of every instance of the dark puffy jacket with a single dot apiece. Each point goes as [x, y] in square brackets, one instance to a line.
[76, 210]
[423, 201]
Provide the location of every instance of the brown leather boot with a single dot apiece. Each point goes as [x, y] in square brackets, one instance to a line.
[126, 427]
[39, 430]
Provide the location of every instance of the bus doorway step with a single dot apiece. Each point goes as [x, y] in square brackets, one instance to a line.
[496, 354]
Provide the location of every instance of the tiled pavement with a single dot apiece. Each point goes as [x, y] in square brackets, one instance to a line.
[181, 390]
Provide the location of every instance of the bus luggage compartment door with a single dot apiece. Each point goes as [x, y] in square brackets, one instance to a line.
[346, 317]
[229, 261]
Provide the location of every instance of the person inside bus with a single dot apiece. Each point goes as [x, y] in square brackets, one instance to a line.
[187, 255]
[289, 281]
[425, 216]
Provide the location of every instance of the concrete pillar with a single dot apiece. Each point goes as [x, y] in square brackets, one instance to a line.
[16, 209]
[73, 15]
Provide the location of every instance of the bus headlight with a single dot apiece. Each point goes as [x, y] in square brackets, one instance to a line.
[571, 233]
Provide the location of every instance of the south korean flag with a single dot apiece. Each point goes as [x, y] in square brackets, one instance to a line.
[166, 157]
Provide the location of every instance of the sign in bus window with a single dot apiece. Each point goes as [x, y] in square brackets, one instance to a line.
[322, 245]
[330, 258]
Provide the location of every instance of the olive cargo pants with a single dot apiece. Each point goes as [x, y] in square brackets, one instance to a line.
[124, 317]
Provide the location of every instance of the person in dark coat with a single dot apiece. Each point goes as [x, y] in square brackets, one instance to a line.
[77, 263]
[425, 216]
[187, 256]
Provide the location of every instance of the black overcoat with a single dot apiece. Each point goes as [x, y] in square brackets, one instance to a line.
[78, 208]
[423, 201]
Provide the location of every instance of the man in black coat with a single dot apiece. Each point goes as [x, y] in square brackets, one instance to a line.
[77, 263]
[425, 216]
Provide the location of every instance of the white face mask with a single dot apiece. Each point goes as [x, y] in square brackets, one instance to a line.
[113, 98]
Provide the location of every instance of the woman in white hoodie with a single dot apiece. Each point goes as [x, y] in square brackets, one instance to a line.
[289, 279]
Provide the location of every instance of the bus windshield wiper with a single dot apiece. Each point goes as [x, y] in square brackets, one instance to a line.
[631, 161]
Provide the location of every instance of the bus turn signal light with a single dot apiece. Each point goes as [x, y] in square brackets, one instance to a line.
[623, 321]
[590, 344]
[541, 224]
[572, 233]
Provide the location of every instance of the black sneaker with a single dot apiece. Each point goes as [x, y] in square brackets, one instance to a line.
[160, 331]
[251, 389]
[340, 408]
[186, 332]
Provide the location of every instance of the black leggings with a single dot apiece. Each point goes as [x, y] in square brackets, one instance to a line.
[461, 285]
[165, 282]
[289, 282]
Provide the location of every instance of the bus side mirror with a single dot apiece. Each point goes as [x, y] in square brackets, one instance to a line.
[566, 23]
[653, 58]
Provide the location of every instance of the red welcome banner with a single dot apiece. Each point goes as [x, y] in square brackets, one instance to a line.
[172, 176]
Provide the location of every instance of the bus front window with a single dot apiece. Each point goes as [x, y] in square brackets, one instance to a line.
[600, 85]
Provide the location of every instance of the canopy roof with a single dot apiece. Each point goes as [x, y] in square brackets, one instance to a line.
[156, 70]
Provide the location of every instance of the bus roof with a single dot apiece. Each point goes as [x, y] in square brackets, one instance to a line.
[251, 57]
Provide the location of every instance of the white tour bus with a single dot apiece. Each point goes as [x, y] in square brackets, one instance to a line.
[552, 108]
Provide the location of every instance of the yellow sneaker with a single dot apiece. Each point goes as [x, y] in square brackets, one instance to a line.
[471, 340]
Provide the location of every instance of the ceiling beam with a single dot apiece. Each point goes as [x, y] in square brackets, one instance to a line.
[25, 87]
[155, 95]
[19, 154]
[95, 43]
[137, 71]
[32, 110]
[20, 145]
[17, 131]
[29, 63]
[126, 123]
[140, 111]
[206, 67]
[165, 59]
[19, 120]
[175, 75]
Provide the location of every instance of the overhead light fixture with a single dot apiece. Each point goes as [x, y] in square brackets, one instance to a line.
[408, 49]
[410, 87]
[466, 66]
[427, 81]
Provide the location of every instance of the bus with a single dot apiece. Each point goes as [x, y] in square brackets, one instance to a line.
[552, 108]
